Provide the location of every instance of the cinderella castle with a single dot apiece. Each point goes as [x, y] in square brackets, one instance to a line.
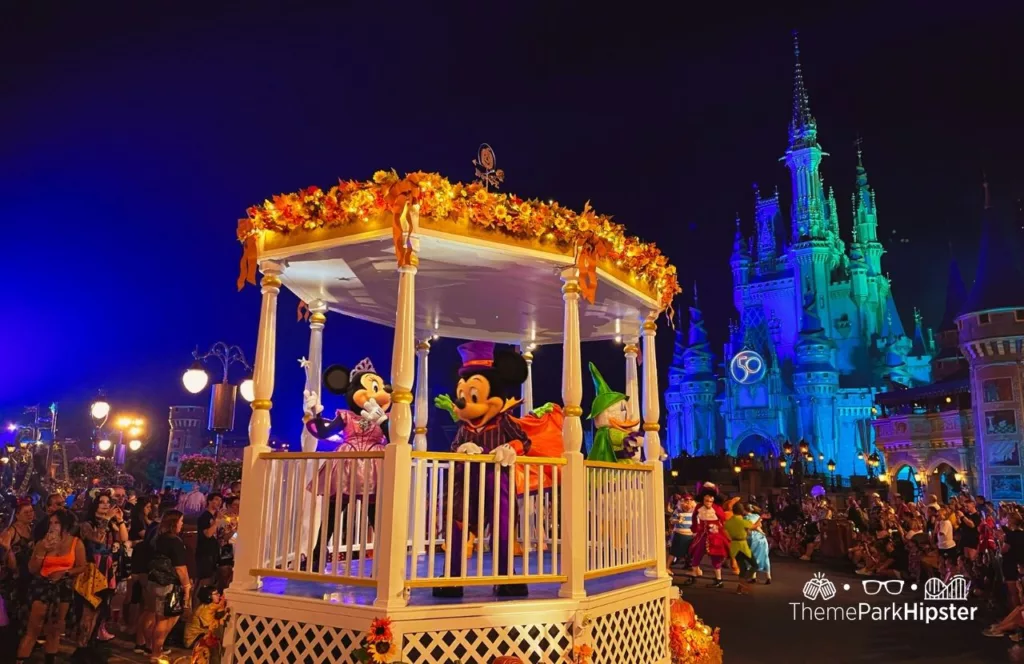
[818, 332]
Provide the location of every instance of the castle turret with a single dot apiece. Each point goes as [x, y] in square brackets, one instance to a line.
[766, 214]
[740, 261]
[698, 387]
[865, 218]
[992, 338]
[816, 381]
[803, 157]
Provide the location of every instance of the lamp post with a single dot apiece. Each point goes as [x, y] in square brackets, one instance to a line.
[873, 462]
[223, 395]
[130, 427]
[921, 478]
[805, 451]
[832, 470]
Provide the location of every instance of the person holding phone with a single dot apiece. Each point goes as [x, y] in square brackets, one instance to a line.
[56, 560]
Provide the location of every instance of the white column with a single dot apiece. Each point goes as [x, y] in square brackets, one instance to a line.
[252, 513]
[574, 491]
[317, 318]
[528, 385]
[652, 447]
[630, 350]
[422, 406]
[398, 454]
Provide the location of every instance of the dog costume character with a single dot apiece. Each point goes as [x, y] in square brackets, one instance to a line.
[488, 380]
[367, 394]
[616, 439]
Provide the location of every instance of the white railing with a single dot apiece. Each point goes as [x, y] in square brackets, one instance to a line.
[320, 519]
[618, 518]
[451, 489]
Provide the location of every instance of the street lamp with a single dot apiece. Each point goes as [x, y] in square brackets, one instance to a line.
[134, 445]
[104, 445]
[873, 462]
[99, 410]
[223, 395]
[832, 469]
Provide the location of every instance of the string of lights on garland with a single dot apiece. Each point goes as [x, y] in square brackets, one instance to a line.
[592, 237]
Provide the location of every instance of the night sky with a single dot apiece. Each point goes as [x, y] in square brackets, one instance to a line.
[135, 135]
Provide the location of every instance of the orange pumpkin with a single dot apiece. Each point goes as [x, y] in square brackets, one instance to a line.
[683, 614]
[507, 660]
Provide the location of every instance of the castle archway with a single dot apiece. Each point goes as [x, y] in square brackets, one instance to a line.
[943, 482]
[905, 480]
[761, 446]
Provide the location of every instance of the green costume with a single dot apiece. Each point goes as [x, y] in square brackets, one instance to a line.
[609, 441]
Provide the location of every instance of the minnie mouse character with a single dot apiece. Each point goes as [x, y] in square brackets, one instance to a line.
[484, 397]
[370, 396]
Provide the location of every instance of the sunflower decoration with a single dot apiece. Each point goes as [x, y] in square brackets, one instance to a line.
[379, 646]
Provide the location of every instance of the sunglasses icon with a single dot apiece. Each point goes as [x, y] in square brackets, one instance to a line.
[874, 586]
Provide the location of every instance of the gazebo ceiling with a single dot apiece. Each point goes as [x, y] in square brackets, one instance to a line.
[465, 288]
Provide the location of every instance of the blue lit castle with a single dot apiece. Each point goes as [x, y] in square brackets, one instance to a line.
[818, 332]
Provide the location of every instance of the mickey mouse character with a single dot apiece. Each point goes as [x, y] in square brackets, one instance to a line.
[485, 394]
[370, 396]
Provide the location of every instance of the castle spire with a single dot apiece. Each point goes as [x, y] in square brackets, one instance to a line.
[803, 128]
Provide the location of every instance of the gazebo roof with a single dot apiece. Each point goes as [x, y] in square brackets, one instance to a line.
[488, 262]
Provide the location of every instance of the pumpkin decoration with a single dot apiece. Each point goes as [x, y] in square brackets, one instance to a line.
[683, 614]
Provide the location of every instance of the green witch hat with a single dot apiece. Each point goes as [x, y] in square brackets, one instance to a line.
[605, 396]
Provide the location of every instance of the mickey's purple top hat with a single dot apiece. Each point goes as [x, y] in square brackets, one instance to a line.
[476, 355]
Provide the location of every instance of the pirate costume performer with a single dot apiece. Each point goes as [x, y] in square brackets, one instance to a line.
[708, 535]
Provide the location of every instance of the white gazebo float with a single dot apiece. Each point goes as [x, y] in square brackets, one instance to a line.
[430, 257]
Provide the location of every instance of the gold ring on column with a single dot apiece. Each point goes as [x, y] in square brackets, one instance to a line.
[630, 348]
[571, 287]
[572, 411]
[401, 396]
[420, 431]
[528, 356]
[261, 404]
[650, 326]
[270, 280]
[653, 426]
[423, 345]
[317, 318]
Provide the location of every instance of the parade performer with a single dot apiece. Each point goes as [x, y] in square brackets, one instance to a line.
[727, 509]
[738, 528]
[708, 535]
[616, 439]
[361, 428]
[543, 427]
[759, 546]
[682, 530]
[488, 380]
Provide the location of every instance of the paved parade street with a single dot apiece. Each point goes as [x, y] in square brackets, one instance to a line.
[761, 628]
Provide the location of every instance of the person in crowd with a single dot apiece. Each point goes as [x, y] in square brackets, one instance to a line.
[54, 503]
[104, 532]
[145, 520]
[682, 534]
[209, 614]
[55, 562]
[1013, 557]
[168, 587]
[208, 546]
[16, 545]
[944, 540]
[970, 521]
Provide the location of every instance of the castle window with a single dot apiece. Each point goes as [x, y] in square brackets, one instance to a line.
[1018, 315]
[983, 319]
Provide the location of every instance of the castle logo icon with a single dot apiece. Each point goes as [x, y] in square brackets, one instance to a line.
[956, 590]
[819, 586]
